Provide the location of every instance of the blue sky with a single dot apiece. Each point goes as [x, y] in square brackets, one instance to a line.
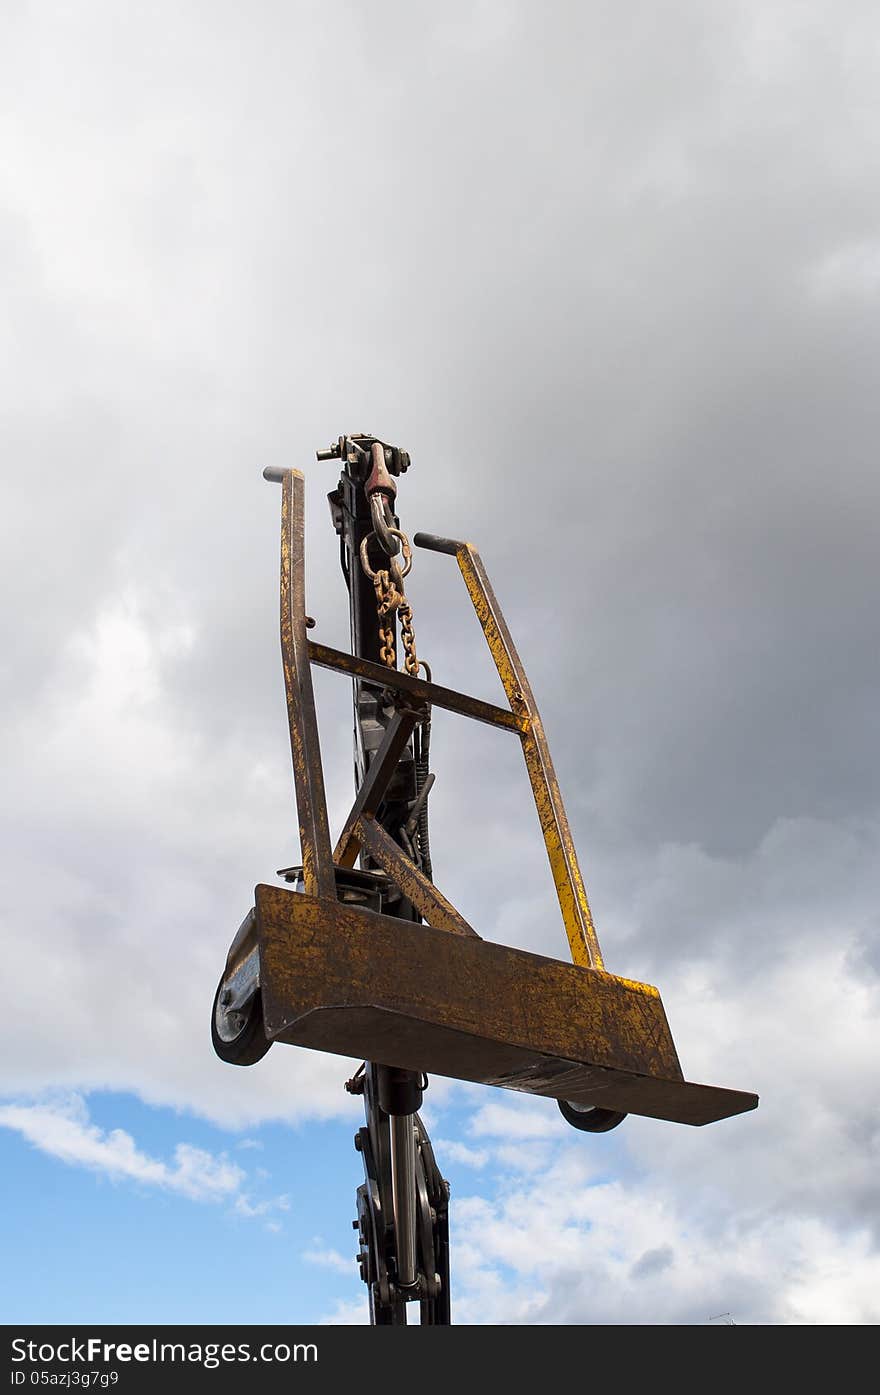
[94, 1243]
[269, 1239]
[125, 1212]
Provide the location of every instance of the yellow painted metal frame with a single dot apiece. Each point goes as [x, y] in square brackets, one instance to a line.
[433, 997]
[523, 718]
[576, 915]
[314, 830]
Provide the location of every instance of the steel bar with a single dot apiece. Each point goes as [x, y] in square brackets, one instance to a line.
[570, 889]
[403, 1193]
[388, 768]
[419, 891]
[375, 783]
[311, 803]
[402, 682]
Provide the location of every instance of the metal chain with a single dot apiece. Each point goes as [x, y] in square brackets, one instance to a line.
[387, 601]
[390, 597]
[407, 634]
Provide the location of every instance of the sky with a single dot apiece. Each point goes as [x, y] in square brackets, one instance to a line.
[611, 274]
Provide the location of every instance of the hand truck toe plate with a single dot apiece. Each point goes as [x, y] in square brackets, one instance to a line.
[355, 983]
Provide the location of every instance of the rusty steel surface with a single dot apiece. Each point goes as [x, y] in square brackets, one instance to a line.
[314, 830]
[375, 783]
[379, 481]
[576, 915]
[370, 986]
[402, 682]
[428, 900]
[434, 997]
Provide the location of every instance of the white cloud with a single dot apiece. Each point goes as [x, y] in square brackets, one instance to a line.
[64, 1132]
[522, 1118]
[246, 1207]
[348, 1313]
[452, 1150]
[61, 1128]
[853, 270]
[834, 1279]
[329, 1259]
[107, 745]
[564, 1250]
[524, 1156]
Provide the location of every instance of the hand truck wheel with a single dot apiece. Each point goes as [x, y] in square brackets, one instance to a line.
[239, 1036]
[589, 1118]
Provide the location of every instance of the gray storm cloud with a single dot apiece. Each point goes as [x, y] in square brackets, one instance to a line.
[612, 275]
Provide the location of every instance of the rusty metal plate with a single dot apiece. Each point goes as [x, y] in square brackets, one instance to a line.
[340, 979]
